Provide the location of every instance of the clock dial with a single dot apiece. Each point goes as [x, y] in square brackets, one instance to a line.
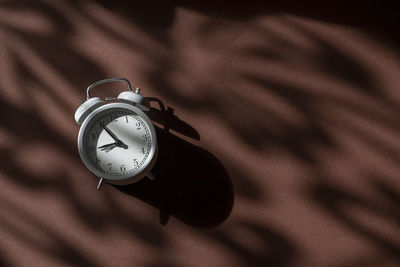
[117, 142]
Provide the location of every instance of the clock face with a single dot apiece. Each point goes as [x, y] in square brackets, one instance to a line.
[117, 142]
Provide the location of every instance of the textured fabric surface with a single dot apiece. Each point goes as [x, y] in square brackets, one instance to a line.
[277, 124]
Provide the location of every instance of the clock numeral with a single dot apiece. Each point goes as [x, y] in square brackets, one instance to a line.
[138, 126]
[109, 166]
[145, 137]
[135, 162]
[126, 119]
[114, 118]
[122, 168]
[142, 151]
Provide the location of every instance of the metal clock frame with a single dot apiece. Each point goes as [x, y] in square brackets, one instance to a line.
[138, 174]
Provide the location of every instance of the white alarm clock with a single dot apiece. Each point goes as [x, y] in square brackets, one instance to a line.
[117, 141]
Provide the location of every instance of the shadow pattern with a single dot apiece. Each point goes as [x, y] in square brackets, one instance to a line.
[281, 82]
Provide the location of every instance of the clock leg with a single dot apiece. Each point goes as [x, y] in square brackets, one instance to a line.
[150, 175]
[99, 184]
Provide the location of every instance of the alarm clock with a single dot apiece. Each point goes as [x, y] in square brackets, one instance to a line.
[117, 141]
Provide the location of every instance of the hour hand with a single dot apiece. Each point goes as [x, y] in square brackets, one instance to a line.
[117, 142]
[107, 147]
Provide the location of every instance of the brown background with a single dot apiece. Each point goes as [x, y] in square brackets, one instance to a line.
[278, 127]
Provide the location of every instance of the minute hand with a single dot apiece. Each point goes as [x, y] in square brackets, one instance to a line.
[111, 134]
[118, 142]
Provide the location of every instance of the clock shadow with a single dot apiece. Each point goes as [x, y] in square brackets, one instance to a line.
[191, 183]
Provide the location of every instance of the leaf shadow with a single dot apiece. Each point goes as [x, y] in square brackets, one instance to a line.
[335, 201]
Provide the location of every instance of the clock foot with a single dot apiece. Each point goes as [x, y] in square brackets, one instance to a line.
[150, 175]
[99, 184]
